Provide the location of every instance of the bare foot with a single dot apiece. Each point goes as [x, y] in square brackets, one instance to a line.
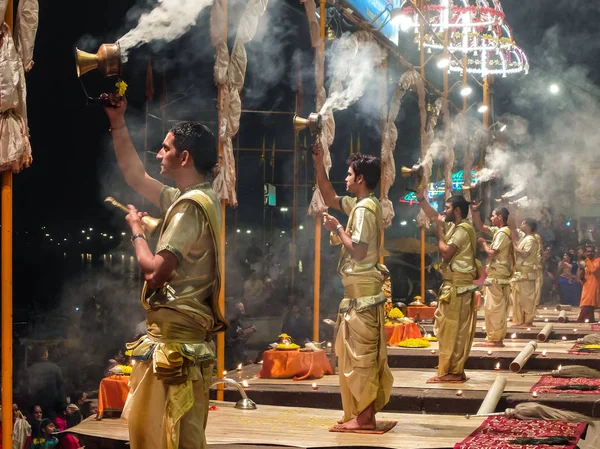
[448, 378]
[354, 424]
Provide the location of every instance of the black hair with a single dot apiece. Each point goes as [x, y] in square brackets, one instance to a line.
[368, 166]
[531, 223]
[199, 141]
[503, 212]
[460, 202]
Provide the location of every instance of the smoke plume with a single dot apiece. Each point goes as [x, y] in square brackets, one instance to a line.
[354, 65]
[169, 20]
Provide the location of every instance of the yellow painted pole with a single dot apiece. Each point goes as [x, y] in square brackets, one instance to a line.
[317, 268]
[221, 335]
[421, 3]
[6, 289]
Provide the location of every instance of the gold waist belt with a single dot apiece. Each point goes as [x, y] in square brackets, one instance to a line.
[360, 290]
[526, 269]
[458, 279]
[165, 325]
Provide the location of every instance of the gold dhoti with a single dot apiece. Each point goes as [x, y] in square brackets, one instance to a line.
[145, 408]
[497, 303]
[524, 299]
[360, 346]
[455, 322]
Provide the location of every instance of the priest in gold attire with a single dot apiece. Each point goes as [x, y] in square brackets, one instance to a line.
[365, 377]
[167, 405]
[456, 312]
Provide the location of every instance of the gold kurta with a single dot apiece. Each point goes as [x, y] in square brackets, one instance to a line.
[524, 280]
[168, 399]
[497, 288]
[365, 377]
[540, 271]
[455, 316]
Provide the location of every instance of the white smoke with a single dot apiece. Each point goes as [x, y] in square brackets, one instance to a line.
[355, 65]
[169, 20]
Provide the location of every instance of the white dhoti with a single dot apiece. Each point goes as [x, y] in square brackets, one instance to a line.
[497, 303]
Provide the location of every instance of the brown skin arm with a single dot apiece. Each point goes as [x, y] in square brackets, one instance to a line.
[358, 251]
[446, 251]
[479, 225]
[127, 157]
[427, 209]
[157, 268]
[490, 252]
[327, 190]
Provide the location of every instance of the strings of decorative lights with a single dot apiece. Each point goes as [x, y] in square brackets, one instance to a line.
[476, 28]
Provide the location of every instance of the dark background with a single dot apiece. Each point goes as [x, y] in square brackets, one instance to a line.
[73, 166]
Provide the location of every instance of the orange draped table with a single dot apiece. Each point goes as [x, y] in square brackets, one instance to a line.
[421, 312]
[398, 332]
[299, 365]
[112, 393]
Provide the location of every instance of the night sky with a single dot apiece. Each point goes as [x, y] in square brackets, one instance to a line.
[73, 163]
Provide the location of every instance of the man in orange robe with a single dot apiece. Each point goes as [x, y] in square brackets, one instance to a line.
[590, 296]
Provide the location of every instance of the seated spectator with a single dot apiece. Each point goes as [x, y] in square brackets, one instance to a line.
[297, 326]
[21, 428]
[88, 409]
[42, 437]
[78, 398]
[237, 335]
[67, 439]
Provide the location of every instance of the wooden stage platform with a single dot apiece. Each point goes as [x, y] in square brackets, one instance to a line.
[302, 428]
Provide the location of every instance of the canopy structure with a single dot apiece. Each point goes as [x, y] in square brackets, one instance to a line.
[477, 29]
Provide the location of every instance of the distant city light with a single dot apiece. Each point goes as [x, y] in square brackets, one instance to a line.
[283, 209]
[248, 231]
[300, 227]
[482, 108]
[554, 89]
[91, 229]
[238, 231]
[403, 223]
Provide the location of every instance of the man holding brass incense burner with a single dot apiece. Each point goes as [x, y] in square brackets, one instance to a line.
[167, 406]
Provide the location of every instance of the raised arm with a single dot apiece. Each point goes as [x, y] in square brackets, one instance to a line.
[128, 160]
[427, 209]
[479, 225]
[329, 195]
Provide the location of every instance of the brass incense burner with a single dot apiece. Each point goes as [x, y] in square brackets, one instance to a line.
[416, 171]
[150, 223]
[314, 123]
[107, 59]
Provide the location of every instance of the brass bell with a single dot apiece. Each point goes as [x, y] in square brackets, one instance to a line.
[150, 223]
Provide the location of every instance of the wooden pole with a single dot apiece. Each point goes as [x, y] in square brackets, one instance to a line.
[221, 335]
[317, 267]
[7, 290]
[421, 3]
[384, 116]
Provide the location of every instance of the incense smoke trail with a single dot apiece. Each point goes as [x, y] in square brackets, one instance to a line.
[353, 64]
[169, 20]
